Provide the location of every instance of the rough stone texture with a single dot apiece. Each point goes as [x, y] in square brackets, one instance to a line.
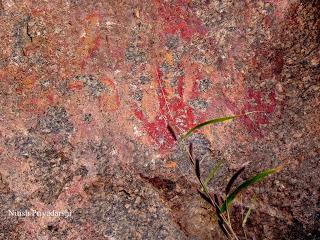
[87, 90]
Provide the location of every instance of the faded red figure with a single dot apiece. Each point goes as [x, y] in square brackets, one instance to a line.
[200, 92]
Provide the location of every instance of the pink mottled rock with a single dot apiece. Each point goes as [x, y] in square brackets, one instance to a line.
[88, 88]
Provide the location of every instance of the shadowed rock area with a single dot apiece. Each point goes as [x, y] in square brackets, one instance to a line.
[88, 88]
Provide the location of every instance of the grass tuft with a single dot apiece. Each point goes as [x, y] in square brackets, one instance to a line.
[221, 204]
[257, 178]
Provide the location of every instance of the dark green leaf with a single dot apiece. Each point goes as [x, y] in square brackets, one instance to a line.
[233, 179]
[213, 172]
[212, 121]
[197, 168]
[258, 177]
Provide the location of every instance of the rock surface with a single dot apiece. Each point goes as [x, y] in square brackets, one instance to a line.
[88, 88]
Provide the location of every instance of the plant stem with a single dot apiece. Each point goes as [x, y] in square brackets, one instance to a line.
[213, 203]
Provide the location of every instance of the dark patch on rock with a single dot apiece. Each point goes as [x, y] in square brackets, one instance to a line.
[199, 104]
[52, 169]
[165, 68]
[88, 118]
[20, 34]
[55, 120]
[52, 228]
[145, 79]
[135, 54]
[36, 28]
[81, 171]
[220, 64]
[9, 224]
[205, 85]
[1, 8]
[26, 146]
[3, 62]
[132, 212]
[165, 185]
[4, 186]
[103, 152]
[101, 149]
[298, 232]
[138, 95]
[49, 166]
[172, 42]
[93, 86]
[76, 3]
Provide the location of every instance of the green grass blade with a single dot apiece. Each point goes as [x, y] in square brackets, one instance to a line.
[213, 172]
[233, 179]
[258, 177]
[211, 121]
[214, 121]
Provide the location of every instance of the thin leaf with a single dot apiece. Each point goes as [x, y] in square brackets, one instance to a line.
[173, 134]
[258, 177]
[212, 121]
[205, 197]
[233, 179]
[197, 168]
[224, 230]
[217, 204]
[216, 199]
[246, 217]
[191, 152]
[213, 172]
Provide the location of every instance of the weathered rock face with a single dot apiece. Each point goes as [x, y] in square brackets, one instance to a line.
[88, 88]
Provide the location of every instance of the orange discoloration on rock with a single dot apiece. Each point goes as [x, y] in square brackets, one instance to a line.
[169, 58]
[90, 39]
[191, 76]
[27, 83]
[109, 101]
[171, 165]
[73, 86]
[149, 103]
[38, 11]
[38, 104]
